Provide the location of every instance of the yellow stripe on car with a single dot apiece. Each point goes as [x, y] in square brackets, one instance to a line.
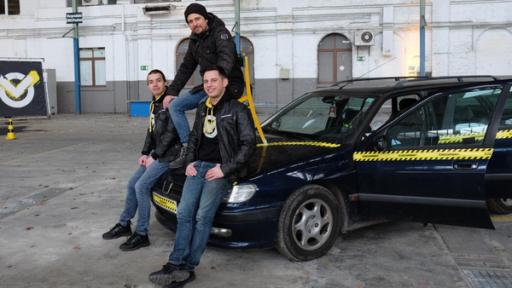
[450, 139]
[303, 143]
[414, 155]
[504, 134]
[459, 138]
[165, 203]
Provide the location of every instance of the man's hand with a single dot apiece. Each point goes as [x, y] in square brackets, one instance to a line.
[191, 170]
[149, 161]
[214, 173]
[142, 160]
[167, 100]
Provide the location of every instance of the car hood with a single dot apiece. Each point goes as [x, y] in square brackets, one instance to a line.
[284, 152]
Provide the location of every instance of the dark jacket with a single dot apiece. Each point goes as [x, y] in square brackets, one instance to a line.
[162, 140]
[235, 133]
[213, 48]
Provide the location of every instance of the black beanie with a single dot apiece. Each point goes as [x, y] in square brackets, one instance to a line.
[197, 9]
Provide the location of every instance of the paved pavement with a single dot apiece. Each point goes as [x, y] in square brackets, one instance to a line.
[62, 184]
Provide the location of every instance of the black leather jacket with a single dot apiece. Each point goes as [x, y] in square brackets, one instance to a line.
[162, 141]
[235, 133]
[213, 48]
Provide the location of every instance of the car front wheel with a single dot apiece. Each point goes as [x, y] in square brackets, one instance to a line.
[308, 224]
[500, 205]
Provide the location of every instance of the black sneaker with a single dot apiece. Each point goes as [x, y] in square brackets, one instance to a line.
[178, 284]
[118, 231]
[135, 242]
[180, 161]
[164, 275]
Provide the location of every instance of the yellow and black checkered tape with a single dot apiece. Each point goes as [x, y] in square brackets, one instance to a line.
[504, 134]
[302, 143]
[451, 139]
[417, 155]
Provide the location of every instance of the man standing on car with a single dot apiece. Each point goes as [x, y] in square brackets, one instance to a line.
[211, 45]
[161, 146]
[220, 145]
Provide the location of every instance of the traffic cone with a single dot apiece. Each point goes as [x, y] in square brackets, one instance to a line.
[10, 131]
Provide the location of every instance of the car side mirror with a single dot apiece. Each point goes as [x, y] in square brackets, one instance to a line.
[380, 143]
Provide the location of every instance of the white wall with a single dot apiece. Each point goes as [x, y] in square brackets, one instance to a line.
[285, 35]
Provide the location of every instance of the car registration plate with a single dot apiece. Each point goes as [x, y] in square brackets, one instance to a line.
[165, 203]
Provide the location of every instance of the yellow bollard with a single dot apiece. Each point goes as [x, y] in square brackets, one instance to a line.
[10, 130]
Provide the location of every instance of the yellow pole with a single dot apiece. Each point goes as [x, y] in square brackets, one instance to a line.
[250, 101]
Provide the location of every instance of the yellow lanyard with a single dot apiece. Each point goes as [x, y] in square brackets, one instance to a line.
[151, 109]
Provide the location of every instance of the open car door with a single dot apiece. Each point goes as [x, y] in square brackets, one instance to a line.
[429, 163]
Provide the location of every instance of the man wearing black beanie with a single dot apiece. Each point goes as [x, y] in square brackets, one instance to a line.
[210, 46]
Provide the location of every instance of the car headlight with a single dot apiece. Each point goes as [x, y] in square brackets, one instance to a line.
[241, 193]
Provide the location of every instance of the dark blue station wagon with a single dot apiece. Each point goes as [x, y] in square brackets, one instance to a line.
[433, 150]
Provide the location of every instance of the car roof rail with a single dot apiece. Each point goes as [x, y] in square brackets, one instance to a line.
[344, 83]
[459, 79]
[401, 80]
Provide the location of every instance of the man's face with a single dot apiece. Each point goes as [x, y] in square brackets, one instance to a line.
[156, 84]
[214, 84]
[197, 23]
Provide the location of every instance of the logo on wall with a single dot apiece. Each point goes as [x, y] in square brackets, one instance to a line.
[20, 94]
[22, 90]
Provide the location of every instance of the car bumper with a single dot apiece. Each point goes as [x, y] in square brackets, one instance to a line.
[233, 228]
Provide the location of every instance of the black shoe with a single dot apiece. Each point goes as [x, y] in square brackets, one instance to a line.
[135, 242]
[178, 284]
[118, 231]
[180, 161]
[164, 275]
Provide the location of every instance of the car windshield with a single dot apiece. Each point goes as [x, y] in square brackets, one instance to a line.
[321, 117]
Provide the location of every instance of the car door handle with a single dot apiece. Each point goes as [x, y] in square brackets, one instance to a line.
[465, 165]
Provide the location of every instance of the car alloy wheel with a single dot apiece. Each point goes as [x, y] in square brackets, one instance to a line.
[309, 223]
[500, 205]
[312, 224]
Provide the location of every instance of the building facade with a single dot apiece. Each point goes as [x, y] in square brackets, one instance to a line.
[293, 45]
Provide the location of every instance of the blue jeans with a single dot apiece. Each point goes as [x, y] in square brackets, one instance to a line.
[138, 195]
[199, 203]
[177, 110]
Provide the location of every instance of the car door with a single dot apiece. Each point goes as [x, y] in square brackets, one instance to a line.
[499, 172]
[430, 162]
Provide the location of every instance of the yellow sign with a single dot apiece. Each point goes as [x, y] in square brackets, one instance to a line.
[165, 203]
[415, 155]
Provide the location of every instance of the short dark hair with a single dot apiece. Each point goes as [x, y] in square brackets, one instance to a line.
[215, 68]
[156, 71]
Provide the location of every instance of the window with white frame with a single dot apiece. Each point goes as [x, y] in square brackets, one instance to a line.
[92, 67]
[9, 7]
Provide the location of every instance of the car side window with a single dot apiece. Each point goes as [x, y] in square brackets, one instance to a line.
[309, 117]
[506, 118]
[459, 118]
[387, 112]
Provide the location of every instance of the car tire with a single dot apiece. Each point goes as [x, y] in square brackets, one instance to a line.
[309, 223]
[500, 205]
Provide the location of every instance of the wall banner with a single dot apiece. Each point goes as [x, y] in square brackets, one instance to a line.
[22, 89]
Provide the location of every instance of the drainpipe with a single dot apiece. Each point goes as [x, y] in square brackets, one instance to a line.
[423, 23]
[237, 26]
[76, 52]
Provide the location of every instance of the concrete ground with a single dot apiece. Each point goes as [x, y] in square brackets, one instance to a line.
[62, 184]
